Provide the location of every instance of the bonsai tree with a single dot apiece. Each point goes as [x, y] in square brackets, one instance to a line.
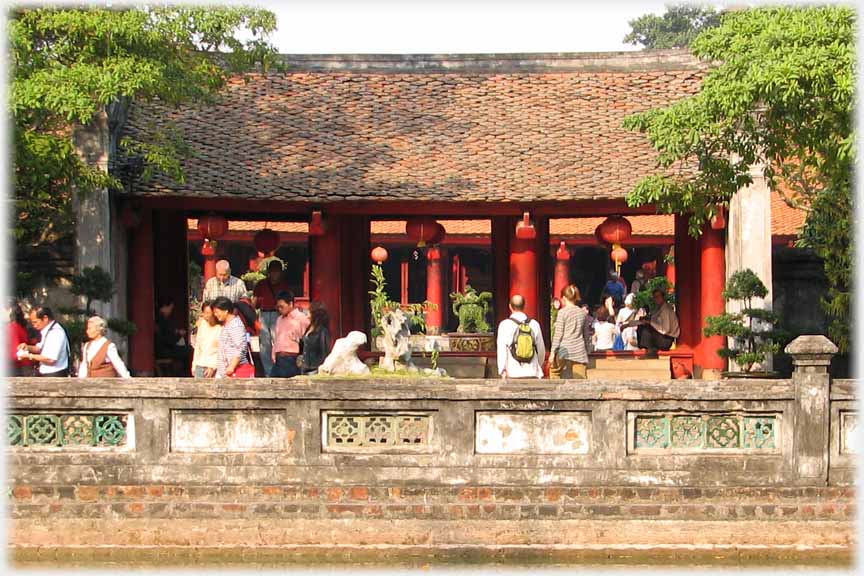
[471, 309]
[751, 342]
[380, 303]
[644, 298]
[252, 277]
[94, 284]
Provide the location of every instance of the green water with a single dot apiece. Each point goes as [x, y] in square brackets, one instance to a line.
[260, 559]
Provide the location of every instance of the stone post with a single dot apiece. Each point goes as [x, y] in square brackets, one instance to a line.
[811, 357]
[93, 209]
[748, 242]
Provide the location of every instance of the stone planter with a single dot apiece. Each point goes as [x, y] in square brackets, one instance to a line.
[471, 342]
[419, 343]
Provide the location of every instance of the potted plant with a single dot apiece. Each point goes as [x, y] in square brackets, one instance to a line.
[380, 303]
[473, 333]
[751, 330]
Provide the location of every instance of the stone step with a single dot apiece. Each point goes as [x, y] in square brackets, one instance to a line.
[629, 364]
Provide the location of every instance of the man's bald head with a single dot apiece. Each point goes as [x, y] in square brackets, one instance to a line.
[517, 303]
[223, 270]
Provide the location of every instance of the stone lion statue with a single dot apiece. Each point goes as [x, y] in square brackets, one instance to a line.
[343, 358]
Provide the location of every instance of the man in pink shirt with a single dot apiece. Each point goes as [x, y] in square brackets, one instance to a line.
[290, 327]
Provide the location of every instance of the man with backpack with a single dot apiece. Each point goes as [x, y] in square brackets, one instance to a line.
[521, 350]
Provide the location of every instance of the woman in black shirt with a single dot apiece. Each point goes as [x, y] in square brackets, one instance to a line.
[317, 340]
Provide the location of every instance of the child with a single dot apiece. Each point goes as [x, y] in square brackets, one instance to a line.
[605, 330]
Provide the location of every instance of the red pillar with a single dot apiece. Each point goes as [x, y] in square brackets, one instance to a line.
[403, 285]
[713, 264]
[670, 266]
[687, 287]
[434, 293]
[562, 270]
[502, 232]
[325, 279]
[209, 253]
[523, 273]
[142, 297]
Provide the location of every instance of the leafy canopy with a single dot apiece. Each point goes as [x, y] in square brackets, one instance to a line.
[71, 63]
[676, 28]
[779, 97]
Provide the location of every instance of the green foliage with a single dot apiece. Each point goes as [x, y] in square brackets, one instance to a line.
[122, 327]
[779, 94]
[676, 28]
[380, 304]
[751, 344]
[471, 308]
[265, 262]
[252, 278]
[94, 284]
[71, 63]
[644, 298]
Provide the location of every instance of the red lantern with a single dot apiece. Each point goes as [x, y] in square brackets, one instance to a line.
[266, 241]
[379, 254]
[212, 226]
[619, 255]
[421, 230]
[439, 235]
[208, 248]
[614, 230]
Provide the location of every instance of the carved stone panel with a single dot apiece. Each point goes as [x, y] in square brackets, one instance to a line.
[515, 432]
[849, 443]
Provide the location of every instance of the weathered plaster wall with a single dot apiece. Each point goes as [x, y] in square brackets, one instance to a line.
[426, 463]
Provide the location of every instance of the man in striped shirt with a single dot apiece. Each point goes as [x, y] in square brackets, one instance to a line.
[224, 284]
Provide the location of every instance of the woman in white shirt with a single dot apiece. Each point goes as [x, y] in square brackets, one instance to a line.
[99, 357]
[205, 361]
[628, 314]
[605, 330]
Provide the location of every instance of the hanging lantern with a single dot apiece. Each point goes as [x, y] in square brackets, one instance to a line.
[421, 230]
[619, 256]
[439, 235]
[212, 226]
[614, 230]
[379, 254]
[525, 229]
[266, 241]
[316, 224]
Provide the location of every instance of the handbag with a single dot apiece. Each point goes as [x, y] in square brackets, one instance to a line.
[619, 343]
[244, 371]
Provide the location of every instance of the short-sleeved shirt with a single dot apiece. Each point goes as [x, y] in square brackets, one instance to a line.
[289, 331]
[232, 343]
[54, 345]
[234, 289]
[265, 294]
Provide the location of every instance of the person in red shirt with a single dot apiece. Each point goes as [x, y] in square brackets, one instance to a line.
[264, 299]
[17, 335]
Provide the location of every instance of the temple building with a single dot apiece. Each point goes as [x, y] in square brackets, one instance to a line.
[493, 171]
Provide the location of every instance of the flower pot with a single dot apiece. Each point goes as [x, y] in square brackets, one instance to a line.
[468, 342]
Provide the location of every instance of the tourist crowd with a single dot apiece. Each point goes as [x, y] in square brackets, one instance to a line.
[294, 342]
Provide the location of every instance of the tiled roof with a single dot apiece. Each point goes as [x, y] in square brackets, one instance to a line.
[470, 134]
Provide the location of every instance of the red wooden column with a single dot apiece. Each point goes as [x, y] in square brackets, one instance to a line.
[502, 232]
[434, 291]
[356, 267]
[523, 272]
[713, 264]
[562, 270]
[142, 297]
[687, 288]
[403, 285]
[209, 253]
[325, 278]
